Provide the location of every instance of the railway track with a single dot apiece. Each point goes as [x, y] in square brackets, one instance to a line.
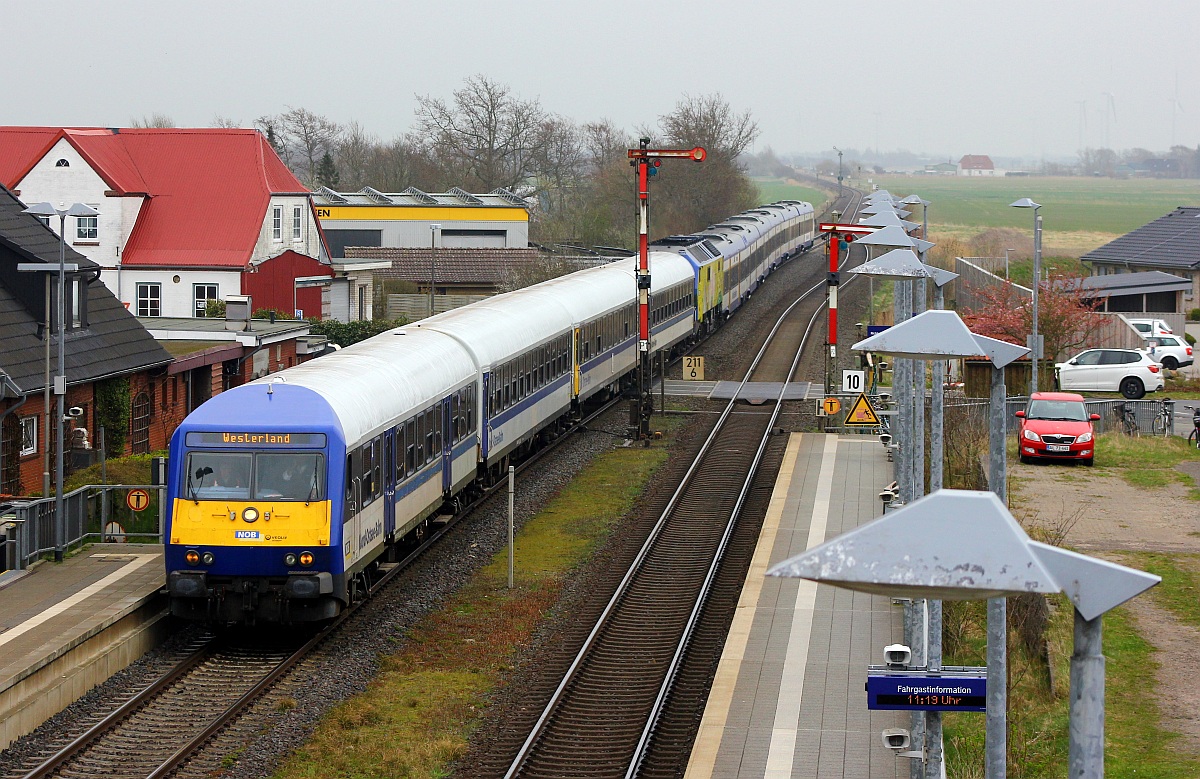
[156, 732]
[606, 709]
[628, 705]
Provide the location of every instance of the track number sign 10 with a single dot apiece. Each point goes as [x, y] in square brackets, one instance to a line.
[853, 381]
[693, 369]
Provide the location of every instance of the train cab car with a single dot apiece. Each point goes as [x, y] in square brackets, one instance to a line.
[705, 260]
[283, 492]
[735, 247]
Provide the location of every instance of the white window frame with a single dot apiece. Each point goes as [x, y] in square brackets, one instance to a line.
[87, 228]
[29, 432]
[198, 309]
[78, 290]
[297, 222]
[277, 223]
[144, 290]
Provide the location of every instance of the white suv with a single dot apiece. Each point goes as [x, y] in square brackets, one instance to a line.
[1170, 350]
[1129, 371]
[1148, 328]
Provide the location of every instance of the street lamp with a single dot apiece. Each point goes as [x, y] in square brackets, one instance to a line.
[60, 380]
[1035, 345]
[839, 151]
[433, 231]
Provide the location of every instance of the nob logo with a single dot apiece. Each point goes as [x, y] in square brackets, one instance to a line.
[245, 534]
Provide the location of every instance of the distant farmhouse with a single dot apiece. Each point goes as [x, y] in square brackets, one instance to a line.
[976, 165]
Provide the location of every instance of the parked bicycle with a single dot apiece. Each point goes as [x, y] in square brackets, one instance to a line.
[1127, 418]
[1162, 418]
[1194, 436]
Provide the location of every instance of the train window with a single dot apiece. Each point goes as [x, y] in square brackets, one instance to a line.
[289, 476]
[368, 473]
[350, 478]
[439, 429]
[399, 460]
[430, 437]
[420, 432]
[377, 466]
[223, 475]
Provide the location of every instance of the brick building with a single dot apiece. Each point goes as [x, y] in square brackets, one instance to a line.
[113, 366]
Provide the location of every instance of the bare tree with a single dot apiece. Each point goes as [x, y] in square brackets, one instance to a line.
[155, 120]
[691, 196]
[224, 121]
[307, 137]
[490, 135]
[355, 148]
[605, 143]
[709, 121]
[559, 162]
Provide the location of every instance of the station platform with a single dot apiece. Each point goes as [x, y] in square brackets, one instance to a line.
[66, 627]
[788, 699]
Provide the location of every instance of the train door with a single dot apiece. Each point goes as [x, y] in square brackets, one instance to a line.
[577, 357]
[389, 482]
[449, 408]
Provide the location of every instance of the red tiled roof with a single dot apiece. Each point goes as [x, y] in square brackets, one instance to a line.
[208, 189]
[452, 266]
[976, 162]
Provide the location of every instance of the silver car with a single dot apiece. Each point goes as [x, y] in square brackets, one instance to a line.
[1129, 371]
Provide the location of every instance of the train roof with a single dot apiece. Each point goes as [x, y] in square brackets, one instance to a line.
[368, 385]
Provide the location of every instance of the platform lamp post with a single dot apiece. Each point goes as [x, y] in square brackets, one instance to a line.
[433, 232]
[940, 335]
[645, 162]
[1035, 344]
[894, 237]
[60, 380]
[929, 550]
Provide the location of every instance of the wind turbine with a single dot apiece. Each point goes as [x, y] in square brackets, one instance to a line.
[1176, 108]
[1110, 108]
[1082, 122]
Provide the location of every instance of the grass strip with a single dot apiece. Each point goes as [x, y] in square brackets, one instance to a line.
[415, 717]
[1136, 743]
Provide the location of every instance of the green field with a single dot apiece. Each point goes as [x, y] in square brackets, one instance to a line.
[771, 190]
[1091, 205]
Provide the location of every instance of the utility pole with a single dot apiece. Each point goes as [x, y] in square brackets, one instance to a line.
[839, 151]
[645, 162]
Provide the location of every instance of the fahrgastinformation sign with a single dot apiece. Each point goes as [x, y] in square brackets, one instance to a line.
[909, 691]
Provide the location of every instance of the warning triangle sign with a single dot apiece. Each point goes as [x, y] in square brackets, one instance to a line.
[861, 413]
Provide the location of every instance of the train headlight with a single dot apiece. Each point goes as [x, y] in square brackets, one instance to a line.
[191, 556]
[250, 514]
[289, 559]
[306, 558]
[207, 558]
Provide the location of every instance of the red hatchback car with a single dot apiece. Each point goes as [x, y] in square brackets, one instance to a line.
[1056, 425]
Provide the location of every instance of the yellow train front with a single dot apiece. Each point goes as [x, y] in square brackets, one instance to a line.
[249, 531]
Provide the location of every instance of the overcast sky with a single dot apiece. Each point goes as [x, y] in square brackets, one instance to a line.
[944, 77]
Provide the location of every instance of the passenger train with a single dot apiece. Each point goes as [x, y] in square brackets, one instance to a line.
[283, 493]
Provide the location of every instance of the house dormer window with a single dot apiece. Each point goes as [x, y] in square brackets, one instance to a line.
[297, 215]
[63, 164]
[277, 223]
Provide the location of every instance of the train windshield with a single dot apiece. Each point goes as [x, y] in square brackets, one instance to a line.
[288, 476]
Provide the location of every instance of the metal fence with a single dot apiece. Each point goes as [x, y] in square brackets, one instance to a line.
[93, 513]
[1147, 413]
